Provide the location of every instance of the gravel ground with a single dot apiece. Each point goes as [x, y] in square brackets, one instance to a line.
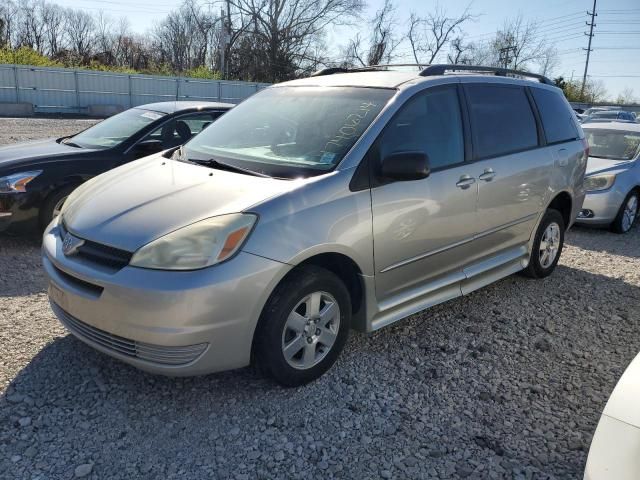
[508, 382]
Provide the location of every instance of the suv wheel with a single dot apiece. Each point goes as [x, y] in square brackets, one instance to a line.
[547, 245]
[303, 327]
[627, 214]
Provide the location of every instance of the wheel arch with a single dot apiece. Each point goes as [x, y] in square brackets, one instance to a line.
[563, 202]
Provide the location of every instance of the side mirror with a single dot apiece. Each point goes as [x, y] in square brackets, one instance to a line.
[404, 166]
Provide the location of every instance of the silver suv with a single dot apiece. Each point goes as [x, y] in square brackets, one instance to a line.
[349, 199]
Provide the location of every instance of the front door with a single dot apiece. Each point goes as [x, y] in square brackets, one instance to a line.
[423, 229]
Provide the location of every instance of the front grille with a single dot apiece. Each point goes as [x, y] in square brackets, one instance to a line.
[144, 351]
[101, 254]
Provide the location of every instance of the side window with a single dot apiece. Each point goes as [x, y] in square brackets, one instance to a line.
[431, 123]
[556, 116]
[501, 119]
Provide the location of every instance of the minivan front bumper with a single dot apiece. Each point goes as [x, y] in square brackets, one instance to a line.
[167, 322]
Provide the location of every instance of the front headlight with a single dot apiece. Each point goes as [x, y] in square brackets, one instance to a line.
[17, 182]
[598, 182]
[198, 245]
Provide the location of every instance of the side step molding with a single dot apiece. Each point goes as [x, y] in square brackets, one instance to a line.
[450, 287]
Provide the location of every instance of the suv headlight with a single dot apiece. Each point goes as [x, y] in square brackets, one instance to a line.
[17, 182]
[598, 182]
[198, 245]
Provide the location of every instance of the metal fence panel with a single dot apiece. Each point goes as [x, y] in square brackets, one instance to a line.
[8, 84]
[99, 88]
[56, 90]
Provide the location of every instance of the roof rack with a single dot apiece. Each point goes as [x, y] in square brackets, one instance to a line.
[501, 72]
[439, 69]
[369, 68]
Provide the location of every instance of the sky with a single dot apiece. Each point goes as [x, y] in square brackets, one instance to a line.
[615, 58]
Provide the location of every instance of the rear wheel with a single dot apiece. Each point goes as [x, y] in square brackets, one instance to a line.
[52, 205]
[303, 327]
[547, 245]
[627, 214]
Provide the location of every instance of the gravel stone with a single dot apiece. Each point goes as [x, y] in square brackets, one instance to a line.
[83, 470]
[460, 389]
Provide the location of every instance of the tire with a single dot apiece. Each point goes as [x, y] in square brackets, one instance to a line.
[540, 263]
[53, 202]
[627, 214]
[289, 343]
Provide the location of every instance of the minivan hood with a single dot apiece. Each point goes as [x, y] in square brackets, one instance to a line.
[134, 204]
[602, 165]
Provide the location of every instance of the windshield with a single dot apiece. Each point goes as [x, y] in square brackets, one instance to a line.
[613, 144]
[290, 132]
[115, 130]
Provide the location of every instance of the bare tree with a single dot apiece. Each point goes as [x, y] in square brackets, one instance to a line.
[80, 29]
[53, 18]
[32, 28]
[429, 34]
[382, 42]
[548, 61]
[279, 36]
[519, 43]
[626, 97]
[182, 39]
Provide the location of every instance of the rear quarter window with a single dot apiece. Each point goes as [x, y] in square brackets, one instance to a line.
[502, 121]
[557, 120]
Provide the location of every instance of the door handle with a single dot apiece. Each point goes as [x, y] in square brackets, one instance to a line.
[488, 175]
[465, 182]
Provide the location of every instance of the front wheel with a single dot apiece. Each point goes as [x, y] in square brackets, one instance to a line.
[547, 245]
[303, 327]
[627, 214]
[52, 206]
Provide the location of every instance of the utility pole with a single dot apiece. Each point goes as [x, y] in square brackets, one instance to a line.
[223, 46]
[591, 24]
[505, 52]
[227, 39]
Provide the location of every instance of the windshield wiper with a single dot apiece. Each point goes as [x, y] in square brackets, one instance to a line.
[212, 162]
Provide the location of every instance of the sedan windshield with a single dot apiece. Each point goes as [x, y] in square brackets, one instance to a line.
[613, 144]
[115, 130]
[290, 132]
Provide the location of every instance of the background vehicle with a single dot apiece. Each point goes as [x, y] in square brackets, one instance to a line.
[615, 447]
[612, 181]
[36, 177]
[610, 116]
[350, 199]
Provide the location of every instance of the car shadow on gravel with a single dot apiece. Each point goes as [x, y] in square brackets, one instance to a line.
[602, 240]
[510, 380]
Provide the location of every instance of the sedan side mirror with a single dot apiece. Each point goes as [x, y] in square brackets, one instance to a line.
[404, 166]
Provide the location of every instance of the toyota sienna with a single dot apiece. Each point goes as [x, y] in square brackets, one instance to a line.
[347, 200]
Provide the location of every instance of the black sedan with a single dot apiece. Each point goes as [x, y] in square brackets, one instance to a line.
[36, 177]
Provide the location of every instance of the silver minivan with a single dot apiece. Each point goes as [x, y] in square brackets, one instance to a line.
[349, 199]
